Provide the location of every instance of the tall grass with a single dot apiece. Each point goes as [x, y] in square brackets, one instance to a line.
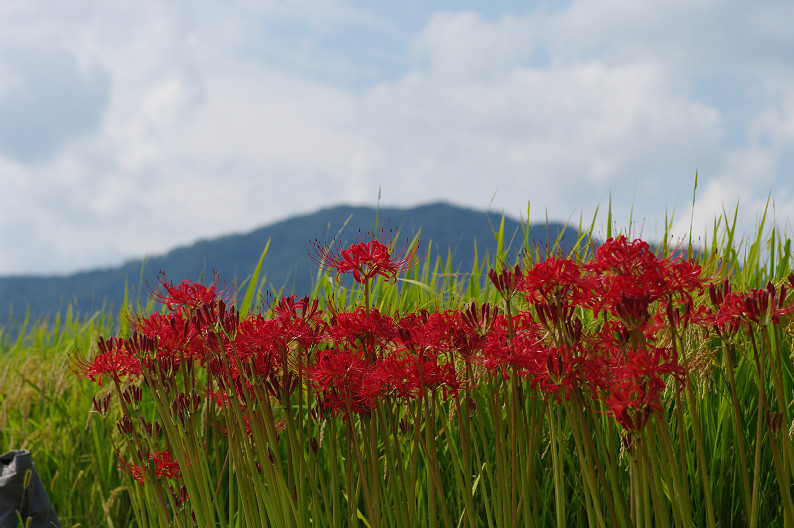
[46, 409]
[500, 454]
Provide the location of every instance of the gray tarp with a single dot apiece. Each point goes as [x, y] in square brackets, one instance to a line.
[18, 501]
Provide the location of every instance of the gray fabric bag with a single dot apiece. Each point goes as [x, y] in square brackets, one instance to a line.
[22, 495]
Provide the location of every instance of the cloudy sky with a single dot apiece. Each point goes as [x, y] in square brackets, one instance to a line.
[130, 127]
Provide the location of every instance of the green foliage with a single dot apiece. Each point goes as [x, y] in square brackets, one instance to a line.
[232, 257]
[46, 409]
[725, 456]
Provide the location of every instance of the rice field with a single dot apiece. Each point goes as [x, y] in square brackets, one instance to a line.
[609, 383]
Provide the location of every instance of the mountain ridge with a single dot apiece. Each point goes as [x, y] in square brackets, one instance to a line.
[233, 257]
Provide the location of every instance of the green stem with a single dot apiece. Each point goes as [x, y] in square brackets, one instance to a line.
[682, 500]
[738, 423]
[556, 461]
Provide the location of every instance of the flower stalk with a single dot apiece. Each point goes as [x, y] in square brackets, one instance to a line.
[364, 413]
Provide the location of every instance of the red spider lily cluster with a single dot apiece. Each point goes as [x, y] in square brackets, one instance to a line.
[365, 260]
[160, 465]
[355, 359]
[604, 331]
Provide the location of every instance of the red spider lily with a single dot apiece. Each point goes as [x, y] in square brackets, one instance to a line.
[304, 308]
[517, 356]
[557, 366]
[621, 258]
[685, 277]
[500, 354]
[718, 291]
[562, 321]
[679, 314]
[638, 383]
[629, 276]
[437, 376]
[632, 310]
[272, 350]
[305, 332]
[720, 317]
[445, 333]
[361, 328]
[556, 281]
[260, 340]
[176, 336]
[467, 329]
[767, 306]
[422, 331]
[478, 319]
[365, 260]
[337, 377]
[393, 376]
[160, 463]
[506, 281]
[731, 314]
[556, 371]
[114, 359]
[254, 352]
[405, 376]
[632, 405]
[215, 318]
[185, 297]
[760, 306]
[424, 338]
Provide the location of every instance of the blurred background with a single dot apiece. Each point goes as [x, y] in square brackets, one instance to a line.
[130, 127]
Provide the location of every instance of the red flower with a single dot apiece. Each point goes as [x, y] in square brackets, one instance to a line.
[629, 278]
[404, 375]
[160, 462]
[638, 383]
[394, 376]
[767, 306]
[301, 320]
[113, 359]
[304, 308]
[361, 328]
[760, 306]
[685, 276]
[498, 354]
[176, 338]
[556, 281]
[421, 331]
[618, 256]
[506, 281]
[187, 296]
[338, 376]
[435, 375]
[556, 371]
[364, 260]
[272, 349]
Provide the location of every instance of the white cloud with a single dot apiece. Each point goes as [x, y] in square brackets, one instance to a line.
[217, 119]
[37, 120]
[462, 48]
[687, 37]
[560, 136]
[774, 126]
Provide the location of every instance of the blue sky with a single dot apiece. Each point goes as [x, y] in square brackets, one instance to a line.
[127, 128]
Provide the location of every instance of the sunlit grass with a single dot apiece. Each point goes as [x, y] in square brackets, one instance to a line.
[493, 457]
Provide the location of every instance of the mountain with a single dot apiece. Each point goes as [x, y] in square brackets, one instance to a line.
[287, 263]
